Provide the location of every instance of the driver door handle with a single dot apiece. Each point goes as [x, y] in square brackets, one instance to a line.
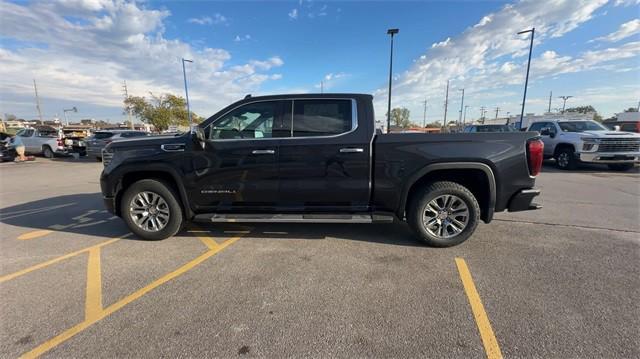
[263, 152]
[351, 150]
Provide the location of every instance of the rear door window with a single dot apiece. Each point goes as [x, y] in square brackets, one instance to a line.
[133, 134]
[324, 117]
[102, 135]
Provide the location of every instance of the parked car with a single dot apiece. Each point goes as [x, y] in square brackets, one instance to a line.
[489, 128]
[7, 152]
[97, 142]
[74, 137]
[626, 126]
[572, 142]
[317, 158]
[46, 141]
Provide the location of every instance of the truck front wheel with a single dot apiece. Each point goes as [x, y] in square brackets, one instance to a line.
[151, 210]
[443, 214]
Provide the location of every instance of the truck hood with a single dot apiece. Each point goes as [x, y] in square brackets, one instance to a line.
[608, 134]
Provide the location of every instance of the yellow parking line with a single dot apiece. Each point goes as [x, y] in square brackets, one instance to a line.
[34, 234]
[56, 260]
[90, 320]
[491, 347]
[93, 302]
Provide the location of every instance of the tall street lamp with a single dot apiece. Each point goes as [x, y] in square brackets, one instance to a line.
[464, 119]
[186, 90]
[564, 101]
[526, 81]
[390, 32]
[65, 110]
[461, 107]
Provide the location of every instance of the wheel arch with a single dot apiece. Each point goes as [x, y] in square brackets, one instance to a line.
[478, 177]
[165, 175]
[561, 146]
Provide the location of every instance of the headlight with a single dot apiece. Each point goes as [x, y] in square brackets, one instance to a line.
[590, 144]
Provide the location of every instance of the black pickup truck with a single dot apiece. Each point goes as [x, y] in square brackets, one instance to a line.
[318, 158]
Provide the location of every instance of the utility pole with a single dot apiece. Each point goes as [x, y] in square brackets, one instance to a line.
[35, 87]
[424, 115]
[461, 108]
[126, 96]
[564, 101]
[464, 119]
[482, 111]
[446, 105]
[550, 95]
[497, 111]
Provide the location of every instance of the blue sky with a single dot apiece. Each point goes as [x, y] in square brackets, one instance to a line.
[80, 51]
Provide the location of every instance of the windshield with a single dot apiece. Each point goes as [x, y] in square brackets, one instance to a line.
[580, 126]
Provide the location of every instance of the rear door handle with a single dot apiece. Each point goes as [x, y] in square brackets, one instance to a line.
[351, 150]
[263, 152]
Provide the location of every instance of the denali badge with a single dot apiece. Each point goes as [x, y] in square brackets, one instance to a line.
[218, 191]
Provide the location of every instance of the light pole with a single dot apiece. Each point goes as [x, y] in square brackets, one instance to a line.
[186, 90]
[564, 101]
[464, 119]
[390, 32]
[461, 107]
[526, 81]
[65, 110]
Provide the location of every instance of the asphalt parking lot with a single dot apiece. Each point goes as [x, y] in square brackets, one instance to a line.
[560, 282]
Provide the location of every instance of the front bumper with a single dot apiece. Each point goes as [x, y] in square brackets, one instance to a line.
[610, 157]
[522, 200]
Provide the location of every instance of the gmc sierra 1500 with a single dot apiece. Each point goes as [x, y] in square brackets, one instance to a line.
[317, 158]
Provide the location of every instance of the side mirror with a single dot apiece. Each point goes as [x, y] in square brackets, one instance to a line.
[545, 131]
[197, 134]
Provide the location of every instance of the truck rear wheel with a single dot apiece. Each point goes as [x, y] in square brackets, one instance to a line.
[443, 214]
[47, 152]
[151, 210]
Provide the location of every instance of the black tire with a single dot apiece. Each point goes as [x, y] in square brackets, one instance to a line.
[47, 152]
[620, 166]
[566, 159]
[99, 159]
[418, 206]
[160, 188]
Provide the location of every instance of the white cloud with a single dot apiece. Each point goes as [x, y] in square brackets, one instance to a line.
[239, 38]
[627, 29]
[489, 56]
[217, 19]
[293, 14]
[85, 62]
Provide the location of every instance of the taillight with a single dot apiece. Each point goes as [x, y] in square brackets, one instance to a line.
[60, 142]
[638, 126]
[535, 149]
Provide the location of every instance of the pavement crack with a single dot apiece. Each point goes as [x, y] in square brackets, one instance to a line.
[568, 225]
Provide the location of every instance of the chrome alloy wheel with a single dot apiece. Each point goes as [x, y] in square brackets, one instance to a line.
[445, 216]
[563, 159]
[149, 211]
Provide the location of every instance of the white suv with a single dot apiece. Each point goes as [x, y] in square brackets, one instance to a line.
[572, 141]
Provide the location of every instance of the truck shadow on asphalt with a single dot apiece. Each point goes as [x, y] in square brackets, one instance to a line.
[84, 214]
[77, 213]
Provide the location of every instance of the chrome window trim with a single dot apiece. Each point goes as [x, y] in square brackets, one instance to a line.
[354, 119]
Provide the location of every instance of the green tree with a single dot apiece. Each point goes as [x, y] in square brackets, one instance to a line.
[631, 109]
[400, 117]
[434, 124]
[160, 111]
[586, 109]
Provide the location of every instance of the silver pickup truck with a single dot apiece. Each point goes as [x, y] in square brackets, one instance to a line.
[44, 140]
[573, 141]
